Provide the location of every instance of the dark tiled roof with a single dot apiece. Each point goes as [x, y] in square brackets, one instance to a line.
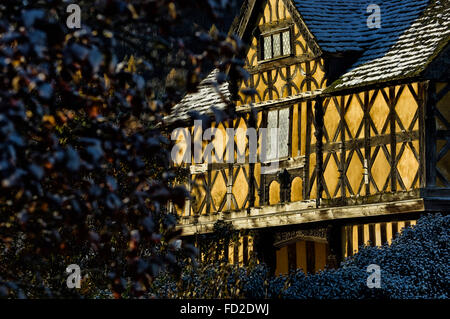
[202, 101]
[412, 33]
[341, 25]
[398, 51]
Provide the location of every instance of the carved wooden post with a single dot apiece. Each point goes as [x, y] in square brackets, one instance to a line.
[251, 125]
[430, 127]
[334, 236]
[285, 181]
[392, 119]
[318, 112]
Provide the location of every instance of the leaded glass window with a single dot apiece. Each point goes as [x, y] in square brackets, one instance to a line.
[283, 132]
[276, 45]
[277, 145]
[286, 43]
[267, 47]
[271, 139]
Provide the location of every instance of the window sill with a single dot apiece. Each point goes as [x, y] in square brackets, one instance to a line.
[261, 62]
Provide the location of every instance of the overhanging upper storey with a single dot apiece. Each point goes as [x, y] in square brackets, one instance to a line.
[298, 46]
[283, 59]
[361, 115]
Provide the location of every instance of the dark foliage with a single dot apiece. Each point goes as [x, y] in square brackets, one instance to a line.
[213, 246]
[415, 265]
[84, 174]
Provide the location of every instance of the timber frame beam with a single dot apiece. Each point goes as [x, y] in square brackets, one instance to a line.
[297, 213]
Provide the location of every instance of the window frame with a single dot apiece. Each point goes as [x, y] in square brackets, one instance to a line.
[270, 34]
[289, 135]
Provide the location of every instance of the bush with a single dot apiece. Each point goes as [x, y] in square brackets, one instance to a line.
[415, 265]
[85, 167]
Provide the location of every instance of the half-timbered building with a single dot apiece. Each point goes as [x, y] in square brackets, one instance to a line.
[363, 114]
